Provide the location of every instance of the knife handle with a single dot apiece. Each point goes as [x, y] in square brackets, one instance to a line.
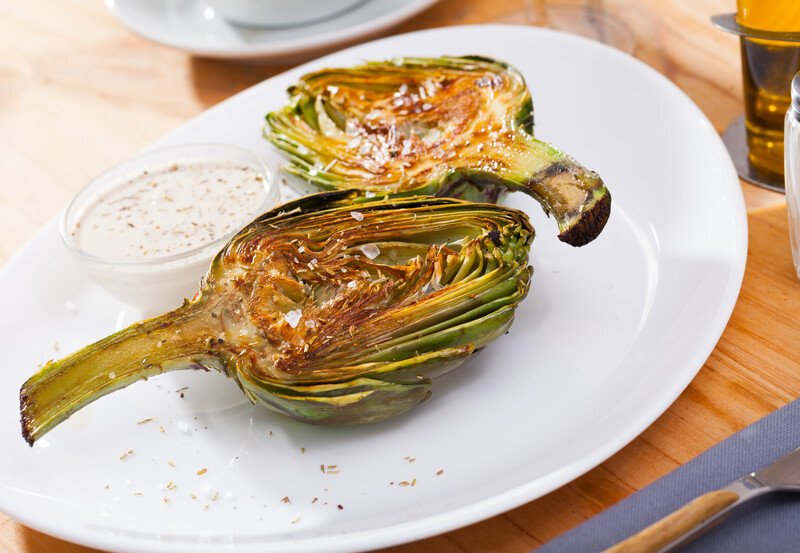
[673, 526]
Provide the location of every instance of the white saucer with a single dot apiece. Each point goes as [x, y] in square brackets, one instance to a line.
[192, 25]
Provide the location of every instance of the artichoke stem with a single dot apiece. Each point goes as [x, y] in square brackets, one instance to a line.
[575, 196]
[169, 342]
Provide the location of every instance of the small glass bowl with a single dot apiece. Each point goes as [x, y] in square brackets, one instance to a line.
[157, 284]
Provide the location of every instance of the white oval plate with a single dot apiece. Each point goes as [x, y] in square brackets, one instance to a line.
[193, 26]
[609, 336]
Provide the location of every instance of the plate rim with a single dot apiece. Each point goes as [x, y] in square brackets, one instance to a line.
[498, 503]
[295, 47]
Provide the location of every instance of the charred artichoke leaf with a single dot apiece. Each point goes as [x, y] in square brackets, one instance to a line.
[331, 309]
[453, 126]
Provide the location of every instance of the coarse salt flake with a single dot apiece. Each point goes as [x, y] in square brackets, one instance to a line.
[370, 250]
[293, 317]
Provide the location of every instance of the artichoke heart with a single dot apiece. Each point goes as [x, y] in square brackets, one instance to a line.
[331, 309]
[454, 126]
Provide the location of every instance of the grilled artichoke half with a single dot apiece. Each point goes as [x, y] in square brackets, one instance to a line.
[331, 309]
[454, 126]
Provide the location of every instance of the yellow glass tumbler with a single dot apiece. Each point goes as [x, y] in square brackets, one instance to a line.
[767, 70]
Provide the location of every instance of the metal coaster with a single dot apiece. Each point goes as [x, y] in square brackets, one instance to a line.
[727, 22]
[735, 139]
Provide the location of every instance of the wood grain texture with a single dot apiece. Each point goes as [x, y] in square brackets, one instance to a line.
[78, 92]
[665, 531]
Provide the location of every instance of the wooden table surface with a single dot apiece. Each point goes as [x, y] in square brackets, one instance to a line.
[78, 92]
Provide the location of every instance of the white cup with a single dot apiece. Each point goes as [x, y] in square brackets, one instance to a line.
[280, 13]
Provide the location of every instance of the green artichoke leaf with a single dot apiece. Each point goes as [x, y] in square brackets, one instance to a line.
[365, 399]
[331, 309]
[453, 126]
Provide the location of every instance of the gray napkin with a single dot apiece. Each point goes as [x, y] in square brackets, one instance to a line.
[767, 524]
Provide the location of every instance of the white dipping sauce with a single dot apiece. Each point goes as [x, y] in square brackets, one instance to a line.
[170, 209]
